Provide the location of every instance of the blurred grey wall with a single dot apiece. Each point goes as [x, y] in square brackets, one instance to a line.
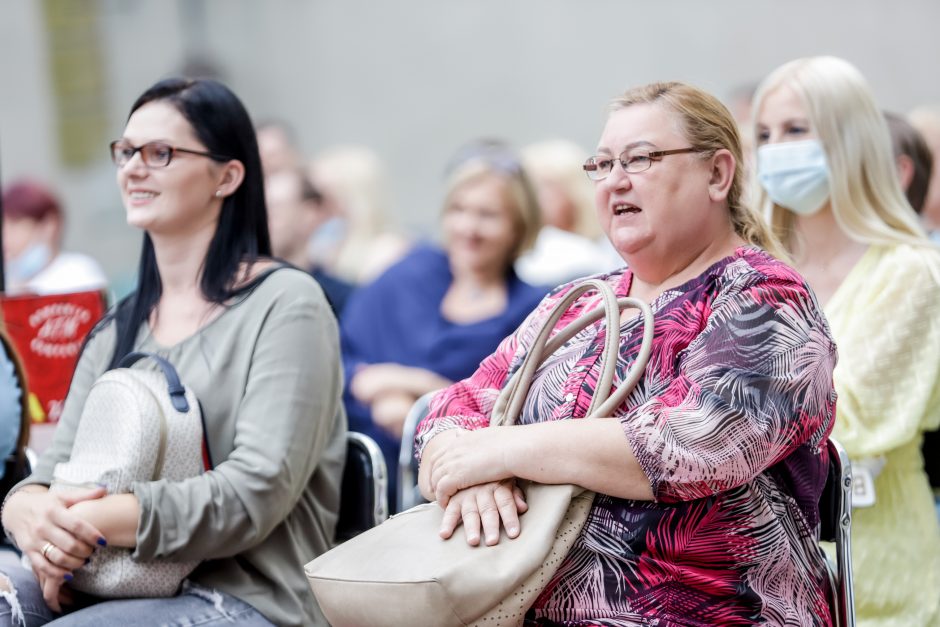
[413, 79]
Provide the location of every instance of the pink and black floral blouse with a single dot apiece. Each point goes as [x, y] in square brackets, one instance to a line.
[729, 424]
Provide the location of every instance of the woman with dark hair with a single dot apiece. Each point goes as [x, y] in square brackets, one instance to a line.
[257, 343]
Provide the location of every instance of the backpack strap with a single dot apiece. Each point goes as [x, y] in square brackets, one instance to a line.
[174, 385]
[177, 395]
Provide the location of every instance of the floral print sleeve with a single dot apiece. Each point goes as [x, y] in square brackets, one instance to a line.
[748, 390]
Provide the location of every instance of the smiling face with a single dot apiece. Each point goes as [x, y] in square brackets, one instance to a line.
[178, 198]
[479, 224]
[660, 211]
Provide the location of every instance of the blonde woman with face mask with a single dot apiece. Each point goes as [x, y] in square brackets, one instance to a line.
[828, 182]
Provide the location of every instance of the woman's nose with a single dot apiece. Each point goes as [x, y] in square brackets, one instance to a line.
[774, 137]
[473, 224]
[135, 165]
[618, 178]
[464, 222]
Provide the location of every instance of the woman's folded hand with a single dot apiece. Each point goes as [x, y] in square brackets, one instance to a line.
[56, 541]
[488, 507]
[469, 458]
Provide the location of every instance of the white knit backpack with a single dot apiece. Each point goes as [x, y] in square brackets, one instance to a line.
[136, 425]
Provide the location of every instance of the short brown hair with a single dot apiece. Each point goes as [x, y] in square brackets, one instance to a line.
[28, 199]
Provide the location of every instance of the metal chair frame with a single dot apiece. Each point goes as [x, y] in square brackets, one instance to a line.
[408, 493]
[836, 526]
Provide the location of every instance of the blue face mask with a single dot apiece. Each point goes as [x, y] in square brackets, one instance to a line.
[326, 239]
[28, 264]
[795, 175]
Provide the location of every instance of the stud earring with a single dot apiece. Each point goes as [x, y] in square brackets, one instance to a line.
[218, 193]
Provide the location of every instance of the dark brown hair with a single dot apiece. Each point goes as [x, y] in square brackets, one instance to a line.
[907, 140]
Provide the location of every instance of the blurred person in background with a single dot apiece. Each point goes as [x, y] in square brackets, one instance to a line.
[356, 243]
[431, 318]
[915, 164]
[913, 159]
[569, 243]
[739, 103]
[33, 229]
[277, 146]
[295, 212]
[829, 184]
[927, 121]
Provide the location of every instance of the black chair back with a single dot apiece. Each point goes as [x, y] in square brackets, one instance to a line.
[15, 469]
[363, 500]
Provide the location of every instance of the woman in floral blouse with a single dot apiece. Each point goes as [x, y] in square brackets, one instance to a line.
[708, 478]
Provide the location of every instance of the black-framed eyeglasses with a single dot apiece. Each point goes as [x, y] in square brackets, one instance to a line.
[154, 154]
[632, 161]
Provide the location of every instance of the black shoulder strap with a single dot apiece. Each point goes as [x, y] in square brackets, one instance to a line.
[174, 385]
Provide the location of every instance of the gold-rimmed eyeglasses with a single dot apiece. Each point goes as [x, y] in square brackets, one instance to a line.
[154, 154]
[632, 161]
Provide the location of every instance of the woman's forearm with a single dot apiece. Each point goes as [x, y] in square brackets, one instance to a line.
[116, 516]
[593, 453]
[388, 378]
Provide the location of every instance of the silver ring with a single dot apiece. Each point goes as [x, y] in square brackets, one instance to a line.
[48, 546]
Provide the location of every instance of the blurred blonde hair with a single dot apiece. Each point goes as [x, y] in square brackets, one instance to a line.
[561, 161]
[354, 180]
[926, 119]
[709, 127]
[520, 194]
[864, 190]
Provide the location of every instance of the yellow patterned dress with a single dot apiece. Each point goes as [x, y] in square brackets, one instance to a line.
[885, 318]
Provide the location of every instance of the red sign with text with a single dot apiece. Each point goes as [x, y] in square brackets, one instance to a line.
[48, 332]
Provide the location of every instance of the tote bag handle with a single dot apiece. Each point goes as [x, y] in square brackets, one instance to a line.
[509, 404]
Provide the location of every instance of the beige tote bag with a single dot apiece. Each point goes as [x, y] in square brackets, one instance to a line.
[403, 573]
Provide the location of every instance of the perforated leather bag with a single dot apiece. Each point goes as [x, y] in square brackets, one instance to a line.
[402, 573]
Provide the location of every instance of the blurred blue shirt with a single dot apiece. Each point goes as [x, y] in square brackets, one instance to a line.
[398, 319]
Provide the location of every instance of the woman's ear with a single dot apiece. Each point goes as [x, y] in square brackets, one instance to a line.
[905, 167]
[723, 166]
[230, 177]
